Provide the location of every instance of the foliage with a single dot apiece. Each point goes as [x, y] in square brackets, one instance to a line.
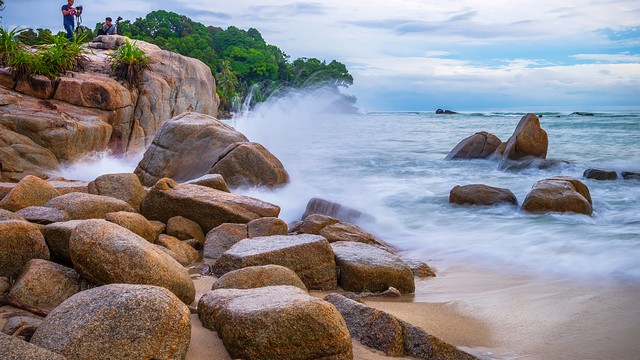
[128, 63]
[9, 44]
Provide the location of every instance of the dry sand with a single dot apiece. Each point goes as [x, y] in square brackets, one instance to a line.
[494, 316]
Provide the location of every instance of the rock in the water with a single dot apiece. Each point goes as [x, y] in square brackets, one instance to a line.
[275, 322]
[223, 237]
[30, 191]
[335, 210]
[43, 215]
[581, 113]
[184, 253]
[559, 194]
[363, 267]
[106, 253]
[267, 226]
[45, 284]
[628, 175]
[310, 256]
[528, 139]
[57, 237]
[599, 174]
[478, 146]
[13, 348]
[479, 194]
[333, 229]
[185, 229]
[20, 242]
[383, 331]
[88, 206]
[134, 222]
[125, 186]
[207, 207]
[447, 112]
[214, 181]
[185, 148]
[420, 268]
[250, 164]
[259, 276]
[118, 321]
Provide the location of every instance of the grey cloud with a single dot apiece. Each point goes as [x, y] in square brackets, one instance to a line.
[265, 12]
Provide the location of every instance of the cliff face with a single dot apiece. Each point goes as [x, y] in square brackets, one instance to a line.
[46, 122]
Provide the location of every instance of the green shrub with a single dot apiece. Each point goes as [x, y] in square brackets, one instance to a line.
[9, 44]
[128, 63]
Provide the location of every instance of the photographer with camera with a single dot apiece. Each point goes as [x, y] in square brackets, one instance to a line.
[107, 28]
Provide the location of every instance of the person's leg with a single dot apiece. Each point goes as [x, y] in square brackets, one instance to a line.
[69, 29]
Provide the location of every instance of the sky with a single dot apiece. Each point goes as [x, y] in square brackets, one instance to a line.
[530, 55]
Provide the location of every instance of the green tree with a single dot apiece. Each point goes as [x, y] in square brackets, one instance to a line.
[226, 83]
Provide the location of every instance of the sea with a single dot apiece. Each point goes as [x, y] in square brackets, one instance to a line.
[391, 166]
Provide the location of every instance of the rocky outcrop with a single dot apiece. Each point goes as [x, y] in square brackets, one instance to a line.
[20, 242]
[88, 206]
[478, 146]
[118, 321]
[275, 322]
[259, 276]
[250, 164]
[63, 119]
[599, 174]
[479, 194]
[185, 148]
[207, 207]
[363, 267]
[384, 332]
[528, 140]
[124, 186]
[310, 256]
[105, 253]
[30, 191]
[559, 194]
[14, 348]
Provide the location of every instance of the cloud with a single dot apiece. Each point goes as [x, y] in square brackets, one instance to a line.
[609, 58]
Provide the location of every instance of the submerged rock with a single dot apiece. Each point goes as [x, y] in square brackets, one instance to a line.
[627, 175]
[558, 194]
[447, 112]
[478, 146]
[479, 194]
[599, 174]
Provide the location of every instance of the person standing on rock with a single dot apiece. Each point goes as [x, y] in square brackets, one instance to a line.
[68, 11]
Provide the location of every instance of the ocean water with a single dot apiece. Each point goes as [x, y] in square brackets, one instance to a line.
[391, 166]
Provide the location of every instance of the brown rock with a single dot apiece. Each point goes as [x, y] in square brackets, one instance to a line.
[43, 215]
[8, 215]
[250, 164]
[20, 156]
[479, 194]
[259, 276]
[57, 237]
[312, 224]
[528, 139]
[214, 181]
[158, 227]
[310, 256]
[30, 191]
[14, 323]
[363, 267]
[125, 187]
[478, 146]
[559, 194]
[382, 331]
[5, 284]
[14, 348]
[207, 207]
[267, 226]
[133, 222]
[69, 186]
[106, 253]
[88, 206]
[343, 231]
[184, 253]
[338, 211]
[223, 237]
[275, 322]
[93, 91]
[419, 268]
[118, 321]
[38, 86]
[45, 284]
[599, 174]
[20, 242]
[185, 229]
[185, 148]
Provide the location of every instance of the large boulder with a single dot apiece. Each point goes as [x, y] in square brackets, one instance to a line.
[30, 191]
[222, 238]
[384, 332]
[250, 164]
[133, 222]
[363, 267]
[207, 207]
[477, 146]
[118, 321]
[20, 242]
[479, 194]
[275, 322]
[124, 186]
[106, 253]
[259, 276]
[559, 194]
[310, 256]
[45, 284]
[13, 348]
[528, 140]
[81, 206]
[185, 148]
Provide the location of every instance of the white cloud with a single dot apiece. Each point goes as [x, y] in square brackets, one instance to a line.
[609, 58]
